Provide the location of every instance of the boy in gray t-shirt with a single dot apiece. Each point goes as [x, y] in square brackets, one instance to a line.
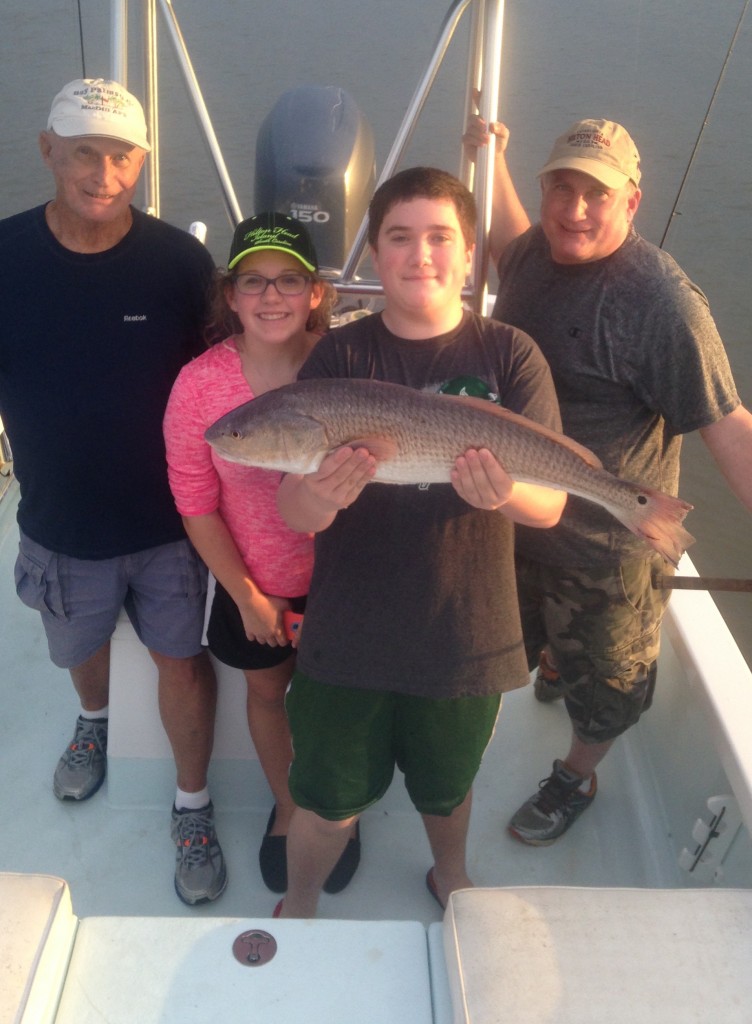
[411, 628]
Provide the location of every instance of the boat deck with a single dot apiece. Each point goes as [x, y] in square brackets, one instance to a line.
[119, 860]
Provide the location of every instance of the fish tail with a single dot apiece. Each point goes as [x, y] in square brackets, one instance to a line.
[657, 518]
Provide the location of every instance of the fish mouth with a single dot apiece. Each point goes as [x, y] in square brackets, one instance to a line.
[213, 436]
[223, 449]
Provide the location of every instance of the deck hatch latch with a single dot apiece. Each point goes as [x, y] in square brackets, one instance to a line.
[254, 948]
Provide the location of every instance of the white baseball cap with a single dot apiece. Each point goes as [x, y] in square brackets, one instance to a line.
[97, 106]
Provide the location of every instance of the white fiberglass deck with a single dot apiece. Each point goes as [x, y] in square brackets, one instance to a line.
[118, 860]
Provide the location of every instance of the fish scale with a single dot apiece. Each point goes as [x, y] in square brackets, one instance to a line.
[416, 437]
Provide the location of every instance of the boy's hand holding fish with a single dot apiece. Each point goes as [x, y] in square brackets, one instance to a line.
[317, 497]
[480, 479]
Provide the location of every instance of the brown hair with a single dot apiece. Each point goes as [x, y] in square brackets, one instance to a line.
[422, 183]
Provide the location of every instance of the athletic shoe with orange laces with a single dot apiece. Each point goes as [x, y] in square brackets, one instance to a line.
[200, 872]
[82, 768]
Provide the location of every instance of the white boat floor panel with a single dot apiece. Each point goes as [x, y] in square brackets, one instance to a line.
[333, 971]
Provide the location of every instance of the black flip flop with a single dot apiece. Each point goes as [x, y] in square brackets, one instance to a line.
[273, 857]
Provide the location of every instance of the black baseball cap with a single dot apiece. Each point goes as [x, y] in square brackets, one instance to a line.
[274, 231]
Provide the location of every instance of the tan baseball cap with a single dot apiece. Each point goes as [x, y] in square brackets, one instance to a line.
[602, 149]
[98, 106]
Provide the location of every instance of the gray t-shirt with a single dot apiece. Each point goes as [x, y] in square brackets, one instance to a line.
[413, 590]
[637, 362]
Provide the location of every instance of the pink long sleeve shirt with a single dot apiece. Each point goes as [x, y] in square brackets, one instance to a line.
[279, 560]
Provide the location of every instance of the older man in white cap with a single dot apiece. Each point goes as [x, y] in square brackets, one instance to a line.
[103, 305]
[637, 362]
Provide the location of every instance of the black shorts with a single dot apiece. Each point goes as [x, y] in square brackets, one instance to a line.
[228, 642]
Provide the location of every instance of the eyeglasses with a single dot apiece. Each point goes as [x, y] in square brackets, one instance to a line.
[286, 284]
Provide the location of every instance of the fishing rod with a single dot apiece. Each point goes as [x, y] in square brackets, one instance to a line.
[659, 580]
[81, 40]
[704, 125]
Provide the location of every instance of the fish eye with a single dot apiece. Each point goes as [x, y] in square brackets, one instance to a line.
[235, 434]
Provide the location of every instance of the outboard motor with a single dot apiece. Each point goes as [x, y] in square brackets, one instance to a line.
[315, 161]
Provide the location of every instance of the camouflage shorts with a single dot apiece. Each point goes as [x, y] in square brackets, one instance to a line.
[603, 630]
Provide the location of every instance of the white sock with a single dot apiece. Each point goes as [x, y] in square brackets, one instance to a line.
[104, 713]
[191, 801]
[586, 783]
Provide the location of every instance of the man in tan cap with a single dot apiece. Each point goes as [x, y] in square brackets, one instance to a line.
[103, 306]
[637, 362]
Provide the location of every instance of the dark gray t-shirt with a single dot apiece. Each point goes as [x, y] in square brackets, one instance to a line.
[413, 589]
[637, 362]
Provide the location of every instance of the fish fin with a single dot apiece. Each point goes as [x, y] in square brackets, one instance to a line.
[657, 518]
[513, 417]
[382, 448]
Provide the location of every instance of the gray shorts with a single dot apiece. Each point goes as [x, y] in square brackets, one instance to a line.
[603, 627]
[162, 589]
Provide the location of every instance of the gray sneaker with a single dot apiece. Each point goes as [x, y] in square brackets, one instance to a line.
[550, 812]
[82, 768]
[548, 684]
[200, 872]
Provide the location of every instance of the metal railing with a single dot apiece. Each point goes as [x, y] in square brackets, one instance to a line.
[484, 53]
[483, 77]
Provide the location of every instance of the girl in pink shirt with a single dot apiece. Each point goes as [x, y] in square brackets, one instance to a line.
[280, 307]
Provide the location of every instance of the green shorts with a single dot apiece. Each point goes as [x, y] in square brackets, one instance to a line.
[347, 742]
[603, 627]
